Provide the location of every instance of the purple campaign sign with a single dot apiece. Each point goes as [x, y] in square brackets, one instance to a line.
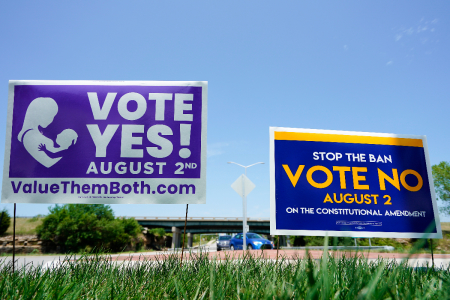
[93, 131]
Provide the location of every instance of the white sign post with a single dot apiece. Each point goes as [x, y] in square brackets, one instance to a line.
[243, 186]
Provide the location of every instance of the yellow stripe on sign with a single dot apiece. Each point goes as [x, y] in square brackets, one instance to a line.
[351, 139]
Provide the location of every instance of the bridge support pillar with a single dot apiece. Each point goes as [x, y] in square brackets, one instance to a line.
[176, 237]
[190, 239]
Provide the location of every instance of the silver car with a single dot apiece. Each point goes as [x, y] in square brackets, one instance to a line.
[223, 242]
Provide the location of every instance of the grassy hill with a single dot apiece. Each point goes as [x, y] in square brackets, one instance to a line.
[25, 226]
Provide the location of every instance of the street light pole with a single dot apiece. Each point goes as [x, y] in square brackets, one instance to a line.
[244, 203]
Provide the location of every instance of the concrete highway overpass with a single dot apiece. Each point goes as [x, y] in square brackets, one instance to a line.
[199, 225]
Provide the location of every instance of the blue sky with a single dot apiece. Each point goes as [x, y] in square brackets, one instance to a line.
[379, 66]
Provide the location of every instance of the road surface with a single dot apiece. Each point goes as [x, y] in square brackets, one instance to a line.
[440, 260]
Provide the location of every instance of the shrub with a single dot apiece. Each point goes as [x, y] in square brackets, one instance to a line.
[5, 221]
[76, 227]
[156, 239]
[35, 218]
[157, 232]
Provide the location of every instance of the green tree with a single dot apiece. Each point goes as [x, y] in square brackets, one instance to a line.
[441, 177]
[5, 221]
[75, 227]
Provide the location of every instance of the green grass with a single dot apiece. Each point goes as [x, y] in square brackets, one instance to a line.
[96, 277]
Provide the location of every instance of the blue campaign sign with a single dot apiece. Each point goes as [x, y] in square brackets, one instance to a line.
[351, 184]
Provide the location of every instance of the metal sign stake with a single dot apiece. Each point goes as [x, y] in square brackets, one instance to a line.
[278, 245]
[432, 256]
[184, 235]
[14, 240]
